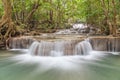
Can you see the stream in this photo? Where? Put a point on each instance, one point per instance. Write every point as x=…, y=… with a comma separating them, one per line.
x=98, y=65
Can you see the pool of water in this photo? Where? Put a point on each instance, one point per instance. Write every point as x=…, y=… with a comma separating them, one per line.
x=19, y=65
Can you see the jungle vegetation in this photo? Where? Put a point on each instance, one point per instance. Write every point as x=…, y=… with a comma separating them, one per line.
x=21, y=16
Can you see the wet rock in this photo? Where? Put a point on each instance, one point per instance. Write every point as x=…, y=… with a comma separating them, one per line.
x=106, y=44
x=60, y=48
x=67, y=31
x=19, y=42
x=2, y=45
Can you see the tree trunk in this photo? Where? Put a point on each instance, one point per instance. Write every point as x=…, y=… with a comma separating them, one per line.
x=35, y=7
x=114, y=18
x=107, y=19
x=6, y=24
x=15, y=13
x=110, y=22
x=51, y=13
x=30, y=14
x=58, y=15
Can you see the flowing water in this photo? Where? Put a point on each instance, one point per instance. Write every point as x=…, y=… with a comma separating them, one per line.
x=60, y=48
x=48, y=61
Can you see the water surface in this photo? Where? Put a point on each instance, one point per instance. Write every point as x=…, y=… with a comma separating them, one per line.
x=17, y=65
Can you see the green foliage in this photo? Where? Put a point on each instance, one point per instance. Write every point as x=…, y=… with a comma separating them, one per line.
x=1, y=9
x=60, y=13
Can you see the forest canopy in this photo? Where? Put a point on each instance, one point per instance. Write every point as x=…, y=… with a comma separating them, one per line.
x=50, y=15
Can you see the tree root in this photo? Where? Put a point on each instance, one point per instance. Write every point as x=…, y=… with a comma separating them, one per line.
x=9, y=29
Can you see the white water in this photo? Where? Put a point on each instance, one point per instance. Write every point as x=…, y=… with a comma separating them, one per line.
x=90, y=67
x=20, y=42
x=83, y=48
x=60, y=48
x=94, y=65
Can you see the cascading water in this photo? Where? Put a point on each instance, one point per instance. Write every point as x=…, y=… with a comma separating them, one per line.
x=96, y=65
x=60, y=48
x=83, y=48
x=19, y=42
x=105, y=44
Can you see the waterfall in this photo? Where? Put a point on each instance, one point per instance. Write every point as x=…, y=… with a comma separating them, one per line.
x=83, y=48
x=19, y=42
x=60, y=48
x=41, y=48
x=45, y=48
x=106, y=44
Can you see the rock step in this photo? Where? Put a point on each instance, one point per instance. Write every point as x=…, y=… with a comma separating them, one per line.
x=106, y=44
x=2, y=45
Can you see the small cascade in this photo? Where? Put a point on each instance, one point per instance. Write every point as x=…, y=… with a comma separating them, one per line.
x=60, y=48
x=19, y=42
x=41, y=48
x=114, y=45
x=106, y=44
x=83, y=48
